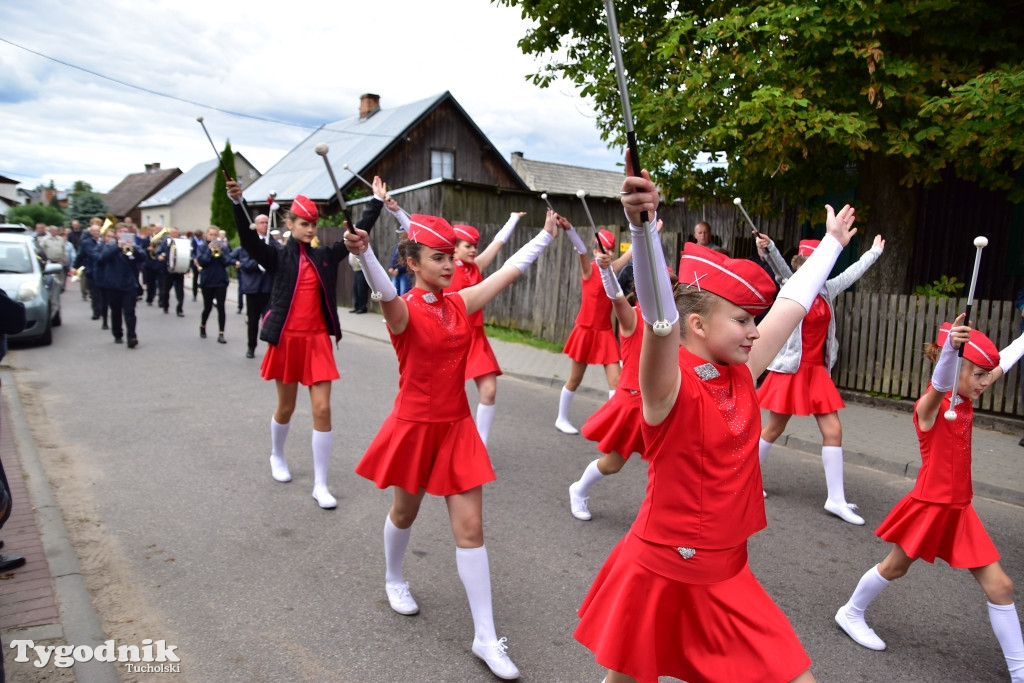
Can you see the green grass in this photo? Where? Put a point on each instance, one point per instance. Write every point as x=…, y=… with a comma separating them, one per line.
x=508, y=334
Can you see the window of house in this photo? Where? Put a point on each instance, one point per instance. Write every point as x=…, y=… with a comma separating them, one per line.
x=442, y=163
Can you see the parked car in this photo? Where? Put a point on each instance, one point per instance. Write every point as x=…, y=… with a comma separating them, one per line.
x=15, y=228
x=26, y=279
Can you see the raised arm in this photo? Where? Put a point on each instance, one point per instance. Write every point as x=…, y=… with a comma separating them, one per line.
x=943, y=375
x=798, y=294
x=624, y=313
x=856, y=270
x=479, y=294
x=394, y=308
x=486, y=257
x=263, y=253
x=581, y=248
x=766, y=247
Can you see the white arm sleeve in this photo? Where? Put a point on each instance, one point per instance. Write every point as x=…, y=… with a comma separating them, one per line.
x=375, y=275
x=807, y=282
x=506, y=230
x=944, y=374
x=611, y=284
x=522, y=259
x=581, y=248
x=402, y=217
x=1009, y=356
x=646, y=267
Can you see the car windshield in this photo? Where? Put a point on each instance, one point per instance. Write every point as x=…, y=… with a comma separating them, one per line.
x=15, y=258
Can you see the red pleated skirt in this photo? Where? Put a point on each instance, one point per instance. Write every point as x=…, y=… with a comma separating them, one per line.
x=808, y=391
x=441, y=458
x=306, y=358
x=481, y=359
x=593, y=347
x=639, y=622
x=953, y=533
x=615, y=426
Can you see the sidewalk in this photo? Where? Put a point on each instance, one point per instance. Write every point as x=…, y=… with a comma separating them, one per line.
x=46, y=600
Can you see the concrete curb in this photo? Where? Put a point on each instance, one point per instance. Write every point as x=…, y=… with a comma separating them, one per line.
x=81, y=625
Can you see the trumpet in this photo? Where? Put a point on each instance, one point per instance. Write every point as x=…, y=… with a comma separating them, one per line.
x=128, y=249
x=215, y=248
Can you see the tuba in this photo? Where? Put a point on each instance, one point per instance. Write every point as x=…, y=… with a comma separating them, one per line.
x=155, y=239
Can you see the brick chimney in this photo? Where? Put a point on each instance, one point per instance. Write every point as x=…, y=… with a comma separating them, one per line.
x=369, y=104
x=153, y=168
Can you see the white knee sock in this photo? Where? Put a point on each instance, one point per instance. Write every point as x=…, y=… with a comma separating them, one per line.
x=868, y=588
x=591, y=476
x=475, y=572
x=278, y=433
x=395, y=542
x=564, y=402
x=484, y=419
x=1006, y=626
x=832, y=460
x=762, y=449
x=321, y=456
x=611, y=392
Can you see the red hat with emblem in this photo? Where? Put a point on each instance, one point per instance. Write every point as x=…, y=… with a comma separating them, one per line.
x=433, y=232
x=606, y=238
x=303, y=207
x=467, y=233
x=739, y=281
x=807, y=247
x=979, y=349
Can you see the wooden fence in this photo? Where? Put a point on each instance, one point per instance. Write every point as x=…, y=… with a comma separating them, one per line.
x=881, y=337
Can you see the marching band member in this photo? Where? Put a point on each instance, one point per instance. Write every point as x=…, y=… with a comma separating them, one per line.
x=937, y=518
x=428, y=444
x=799, y=380
x=120, y=261
x=254, y=283
x=592, y=340
x=213, y=259
x=151, y=269
x=169, y=279
x=676, y=597
x=88, y=250
x=481, y=366
x=302, y=317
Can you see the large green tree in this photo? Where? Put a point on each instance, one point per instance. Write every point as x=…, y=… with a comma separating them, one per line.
x=30, y=214
x=84, y=204
x=800, y=97
x=221, y=211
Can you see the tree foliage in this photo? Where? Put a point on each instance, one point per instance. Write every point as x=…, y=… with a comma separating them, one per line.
x=84, y=204
x=30, y=214
x=800, y=97
x=221, y=211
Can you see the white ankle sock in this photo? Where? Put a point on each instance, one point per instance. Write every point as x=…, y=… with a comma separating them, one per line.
x=868, y=588
x=321, y=456
x=475, y=572
x=1006, y=626
x=278, y=433
x=762, y=450
x=590, y=476
x=395, y=542
x=832, y=460
x=484, y=419
x=564, y=402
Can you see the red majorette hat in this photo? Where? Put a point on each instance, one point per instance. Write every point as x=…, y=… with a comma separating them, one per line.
x=433, y=232
x=303, y=207
x=807, y=247
x=606, y=238
x=979, y=349
x=466, y=233
x=739, y=281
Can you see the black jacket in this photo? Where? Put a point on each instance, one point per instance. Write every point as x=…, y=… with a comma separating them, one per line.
x=214, y=271
x=282, y=262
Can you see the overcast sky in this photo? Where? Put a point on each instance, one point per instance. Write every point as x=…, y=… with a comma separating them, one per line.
x=299, y=62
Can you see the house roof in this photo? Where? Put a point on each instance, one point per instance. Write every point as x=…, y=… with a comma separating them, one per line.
x=8, y=181
x=135, y=188
x=544, y=176
x=174, y=190
x=355, y=142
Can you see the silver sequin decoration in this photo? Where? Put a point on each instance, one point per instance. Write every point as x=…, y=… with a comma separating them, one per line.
x=707, y=371
x=429, y=297
x=687, y=553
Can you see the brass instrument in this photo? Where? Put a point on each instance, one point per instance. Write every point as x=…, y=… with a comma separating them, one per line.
x=215, y=249
x=155, y=239
x=108, y=222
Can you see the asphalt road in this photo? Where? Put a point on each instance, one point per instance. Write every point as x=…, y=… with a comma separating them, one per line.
x=256, y=583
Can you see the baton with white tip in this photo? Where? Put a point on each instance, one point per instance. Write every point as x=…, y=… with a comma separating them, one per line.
x=739, y=202
x=220, y=162
x=582, y=194
x=544, y=196
x=368, y=184
x=661, y=326
x=979, y=243
x=322, y=149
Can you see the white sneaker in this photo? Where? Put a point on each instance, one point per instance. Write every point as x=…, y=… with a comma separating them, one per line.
x=578, y=503
x=400, y=597
x=565, y=427
x=495, y=658
x=324, y=498
x=858, y=629
x=844, y=512
x=279, y=469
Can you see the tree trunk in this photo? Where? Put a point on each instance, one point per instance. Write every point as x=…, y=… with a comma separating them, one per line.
x=885, y=207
